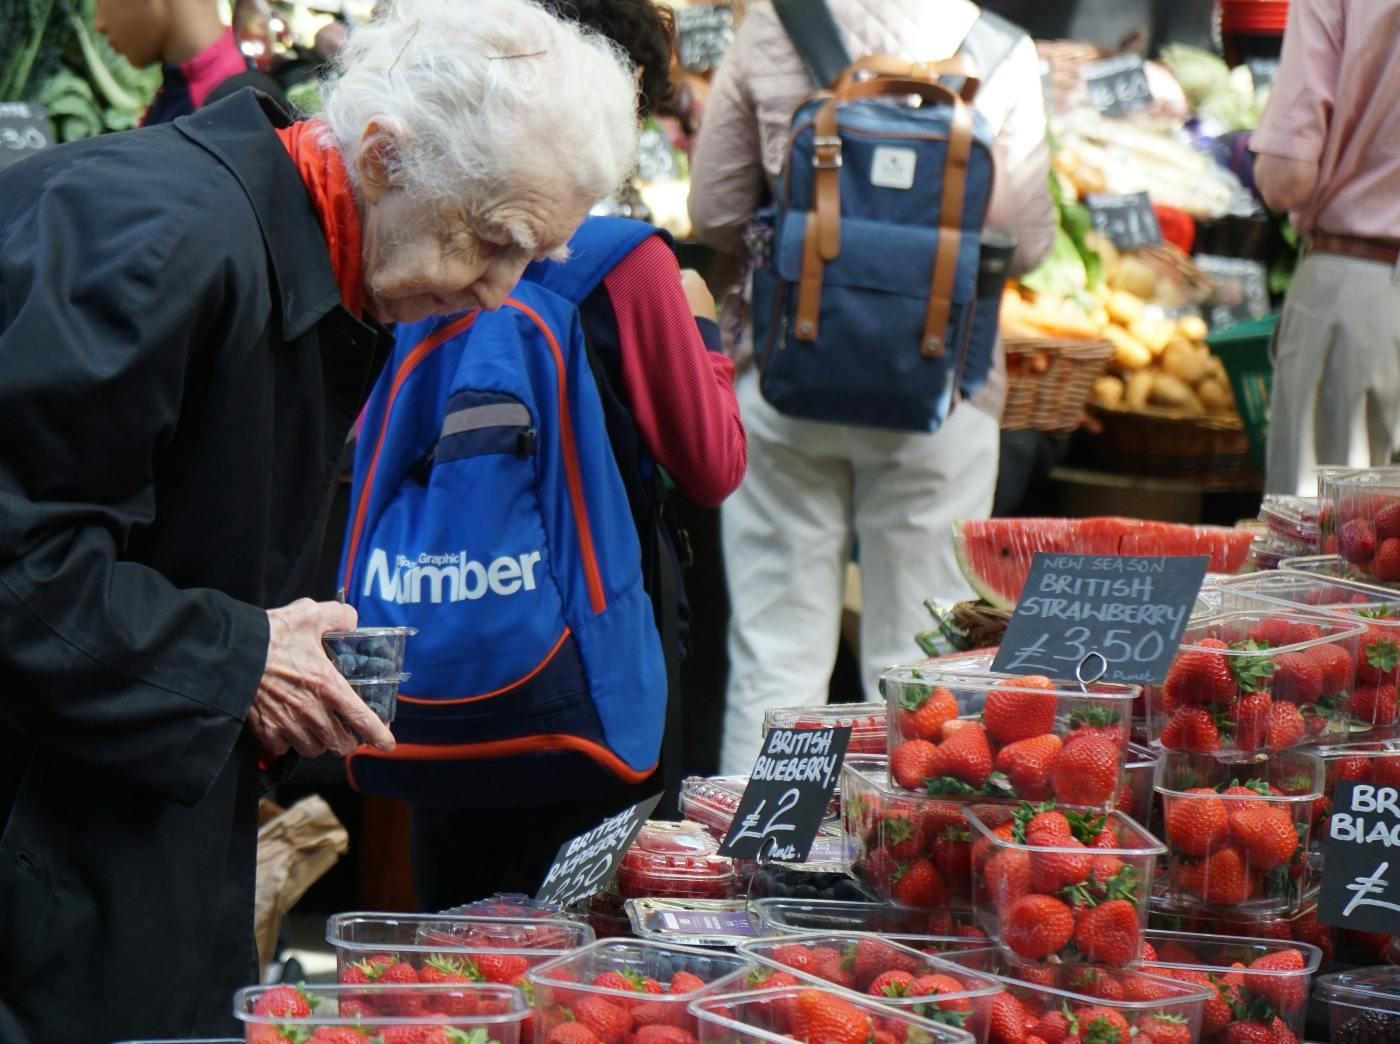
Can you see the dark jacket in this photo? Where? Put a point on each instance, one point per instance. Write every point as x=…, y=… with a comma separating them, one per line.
x=177, y=378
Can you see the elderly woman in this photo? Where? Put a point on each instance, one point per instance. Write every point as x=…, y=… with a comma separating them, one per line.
x=217, y=284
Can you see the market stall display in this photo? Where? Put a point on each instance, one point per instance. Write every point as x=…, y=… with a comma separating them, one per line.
x=481, y=1012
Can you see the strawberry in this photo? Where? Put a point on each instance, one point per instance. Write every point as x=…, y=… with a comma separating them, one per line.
x=1386, y=565
x=1007, y=1024
x=336, y=1035
x=890, y=984
x=1037, y=926
x=1020, y=708
x=1107, y=1023
x=1054, y=869
x=868, y=958
x=1086, y=772
x=1298, y=678
x=1251, y=719
x=1357, y=541
x=1335, y=665
x=1162, y=1028
x=924, y=714
x=819, y=1016
x=1221, y=877
x=1008, y=877
x=572, y=1033
x=1197, y=824
x=1047, y=827
x=1286, y=727
x=794, y=956
x=768, y=979
x=879, y=867
x=1200, y=675
x=937, y=985
x=951, y=852
x=829, y=963
x=1248, y=1033
x=1387, y=522
x=1094, y=721
x=283, y=1002
x=663, y=1035
x=1386, y=771
x=1281, y=1033
x=685, y=982
x=920, y=885
x=609, y=1021
x=1286, y=992
x=1027, y=764
x=1374, y=704
x=913, y=762
x=1109, y=933
x=614, y=980
x=1055, y=1027
x=902, y=838
x=1377, y=657
x=1191, y=728
x=1094, y=983
x=966, y=756
x=504, y=968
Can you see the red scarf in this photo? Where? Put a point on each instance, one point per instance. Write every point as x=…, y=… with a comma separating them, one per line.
x=323, y=174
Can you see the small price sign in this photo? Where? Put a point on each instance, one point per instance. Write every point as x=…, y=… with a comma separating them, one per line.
x=1361, y=859
x=24, y=130
x=1128, y=220
x=1241, y=289
x=704, y=32
x=1118, y=86
x=787, y=794
x=585, y=865
x=1129, y=611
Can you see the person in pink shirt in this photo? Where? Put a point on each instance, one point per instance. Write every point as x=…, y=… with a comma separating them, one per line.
x=199, y=54
x=1328, y=151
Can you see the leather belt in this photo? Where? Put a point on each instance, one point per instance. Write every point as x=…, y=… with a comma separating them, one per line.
x=1382, y=251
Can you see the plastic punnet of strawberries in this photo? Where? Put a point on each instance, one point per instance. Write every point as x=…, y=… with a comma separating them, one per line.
x=1062, y=886
x=811, y=1015
x=867, y=721
x=1360, y=762
x=1251, y=681
x=675, y=860
x=383, y=1014
x=1084, y=1004
x=1237, y=832
x=895, y=975
x=632, y=992
x=975, y=735
x=1367, y=517
x=1261, y=987
x=1302, y=927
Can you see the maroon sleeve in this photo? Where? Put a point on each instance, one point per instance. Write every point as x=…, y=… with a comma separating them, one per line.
x=681, y=395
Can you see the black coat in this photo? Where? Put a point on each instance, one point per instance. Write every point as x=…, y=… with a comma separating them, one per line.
x=177, y=379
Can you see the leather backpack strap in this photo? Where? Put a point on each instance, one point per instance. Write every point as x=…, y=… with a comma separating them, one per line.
x=945, y=265
x=959, y=66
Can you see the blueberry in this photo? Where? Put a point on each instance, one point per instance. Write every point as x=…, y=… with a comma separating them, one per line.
x=805, y=891
x=346, y=663
x=381, y=648
x=378, y=667
x=847, y=889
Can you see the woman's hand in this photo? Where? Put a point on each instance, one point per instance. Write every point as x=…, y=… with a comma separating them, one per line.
x=304, y=703
x=702, y=304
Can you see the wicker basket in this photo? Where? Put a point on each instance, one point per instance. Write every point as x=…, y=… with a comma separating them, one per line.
x=1048, y=382
x=1213, y=451
x=984, y=623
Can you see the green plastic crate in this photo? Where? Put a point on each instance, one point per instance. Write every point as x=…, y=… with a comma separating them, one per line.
x=1244, y=349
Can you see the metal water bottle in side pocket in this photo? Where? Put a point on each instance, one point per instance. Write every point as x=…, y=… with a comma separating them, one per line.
x=993, y=270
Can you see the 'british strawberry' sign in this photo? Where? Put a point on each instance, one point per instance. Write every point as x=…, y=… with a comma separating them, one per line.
x=1361, y=859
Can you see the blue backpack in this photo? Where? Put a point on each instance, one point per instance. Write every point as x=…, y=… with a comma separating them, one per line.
x=488, y=512
x=864, y=305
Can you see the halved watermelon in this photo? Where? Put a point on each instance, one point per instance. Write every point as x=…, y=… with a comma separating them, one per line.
x=995, y=553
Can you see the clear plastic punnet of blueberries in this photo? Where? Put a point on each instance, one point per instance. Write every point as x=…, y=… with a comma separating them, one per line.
x=371, y=659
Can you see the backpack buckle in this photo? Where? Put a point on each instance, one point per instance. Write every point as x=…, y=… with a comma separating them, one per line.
x=826, y=153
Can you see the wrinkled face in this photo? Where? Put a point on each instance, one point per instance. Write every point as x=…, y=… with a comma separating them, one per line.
x=136, y=29
x=417, y=265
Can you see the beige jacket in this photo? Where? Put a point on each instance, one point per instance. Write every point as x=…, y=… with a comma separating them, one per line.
x=762, y=81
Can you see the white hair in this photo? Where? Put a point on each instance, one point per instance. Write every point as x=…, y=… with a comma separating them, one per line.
x=486, y=98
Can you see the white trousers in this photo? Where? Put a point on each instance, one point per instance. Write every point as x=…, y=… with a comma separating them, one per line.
x=787, y=532
x=1336, y=388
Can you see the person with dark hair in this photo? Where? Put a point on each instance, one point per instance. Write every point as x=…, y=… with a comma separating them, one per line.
x=668, y=397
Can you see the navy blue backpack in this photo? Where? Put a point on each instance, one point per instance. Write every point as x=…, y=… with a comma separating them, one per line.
x=864, y=310
x=487, y=510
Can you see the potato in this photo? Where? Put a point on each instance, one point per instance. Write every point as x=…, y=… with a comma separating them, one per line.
x=1129, y=354
x=1191, y=327
x=1185, y=361
x=1103, y=246
x=1153, y=331
x=1088, y=180
x=1123, y=308
x=1215, y=395
x=1136, y=277
x=1166, y=390
x=1138, y=391
x=1108, y=391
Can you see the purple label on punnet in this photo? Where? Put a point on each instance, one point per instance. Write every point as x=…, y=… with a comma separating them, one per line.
x=697, y=922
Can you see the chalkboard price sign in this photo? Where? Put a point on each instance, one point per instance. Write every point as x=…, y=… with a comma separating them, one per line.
x=1119, y=617
x=705, y=32
x=1361, y=859
x=586, y=864
x=1241, y=289
x=1118, y=86
x=1128, y=220
x=787, y=794
x=24, y=130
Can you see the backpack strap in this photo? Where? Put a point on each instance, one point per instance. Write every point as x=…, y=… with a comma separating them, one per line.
x=595, y=249
x=813, y=33
x=990, y=42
